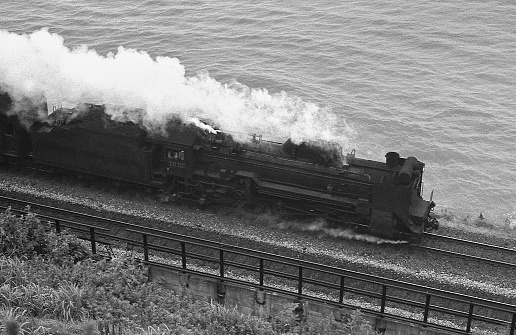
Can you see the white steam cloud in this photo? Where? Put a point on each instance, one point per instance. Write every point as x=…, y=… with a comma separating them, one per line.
x=40, y=65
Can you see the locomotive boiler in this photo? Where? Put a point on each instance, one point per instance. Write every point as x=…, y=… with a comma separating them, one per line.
x=185, y=162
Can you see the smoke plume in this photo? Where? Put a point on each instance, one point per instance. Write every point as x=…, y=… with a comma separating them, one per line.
x=39, y=66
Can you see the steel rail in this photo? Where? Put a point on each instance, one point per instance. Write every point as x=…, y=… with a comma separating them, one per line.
x=460, y=255
x=472, y=243
x=475, y=243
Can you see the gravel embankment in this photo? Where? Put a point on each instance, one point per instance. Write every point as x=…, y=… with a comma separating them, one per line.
x=311, y=242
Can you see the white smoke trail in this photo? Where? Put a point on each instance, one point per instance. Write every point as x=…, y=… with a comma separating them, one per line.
x=40, y=65
x=319, y=225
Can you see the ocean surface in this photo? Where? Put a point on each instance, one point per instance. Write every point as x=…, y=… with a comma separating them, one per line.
x=430, y=79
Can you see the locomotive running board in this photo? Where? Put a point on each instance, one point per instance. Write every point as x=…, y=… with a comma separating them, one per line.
x=297, y=193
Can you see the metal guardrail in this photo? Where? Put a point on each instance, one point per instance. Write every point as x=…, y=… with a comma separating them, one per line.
x=302, y=280
x=261, y=270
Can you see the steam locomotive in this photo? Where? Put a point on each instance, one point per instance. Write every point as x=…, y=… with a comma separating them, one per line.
x=188, y=163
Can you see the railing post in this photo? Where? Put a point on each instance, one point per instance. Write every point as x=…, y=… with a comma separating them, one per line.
x=261, y=272
x=427, y=308
x=341, y=294
x=470, y=317
x=221, y=263
x=92, y=240
x=58, y=226
x=384, y=298
x=145, y=248
x=183, y=255
x=300, y=281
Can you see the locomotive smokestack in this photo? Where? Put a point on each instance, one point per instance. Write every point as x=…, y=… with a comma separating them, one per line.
x=392, y=159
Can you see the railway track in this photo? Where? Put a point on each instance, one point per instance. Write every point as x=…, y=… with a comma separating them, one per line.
x=304, y=277
x=469, y=250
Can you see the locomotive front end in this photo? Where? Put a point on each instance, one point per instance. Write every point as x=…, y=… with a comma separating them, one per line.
x=396, y=208
x=420, y=217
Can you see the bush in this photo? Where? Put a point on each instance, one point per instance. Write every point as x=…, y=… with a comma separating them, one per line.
x=22, y=236
x=28, y=237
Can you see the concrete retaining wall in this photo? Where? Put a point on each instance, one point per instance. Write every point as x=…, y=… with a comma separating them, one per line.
x=264, y=304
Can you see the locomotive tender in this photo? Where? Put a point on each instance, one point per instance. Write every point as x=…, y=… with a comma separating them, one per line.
x=188, y=163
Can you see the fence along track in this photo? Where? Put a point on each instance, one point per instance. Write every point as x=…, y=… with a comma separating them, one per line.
x=296, y=278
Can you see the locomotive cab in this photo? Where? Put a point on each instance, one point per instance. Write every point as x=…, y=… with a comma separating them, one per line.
x=177, y=161
x=176, y=150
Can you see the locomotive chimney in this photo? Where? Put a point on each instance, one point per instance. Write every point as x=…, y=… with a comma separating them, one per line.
x=391, y=159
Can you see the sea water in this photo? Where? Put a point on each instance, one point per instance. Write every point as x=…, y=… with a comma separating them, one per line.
x=430, y=79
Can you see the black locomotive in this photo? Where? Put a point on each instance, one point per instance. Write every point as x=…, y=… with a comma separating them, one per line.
x=189, y=163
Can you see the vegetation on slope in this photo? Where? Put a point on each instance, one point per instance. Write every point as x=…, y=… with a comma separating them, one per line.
x=51, y=284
